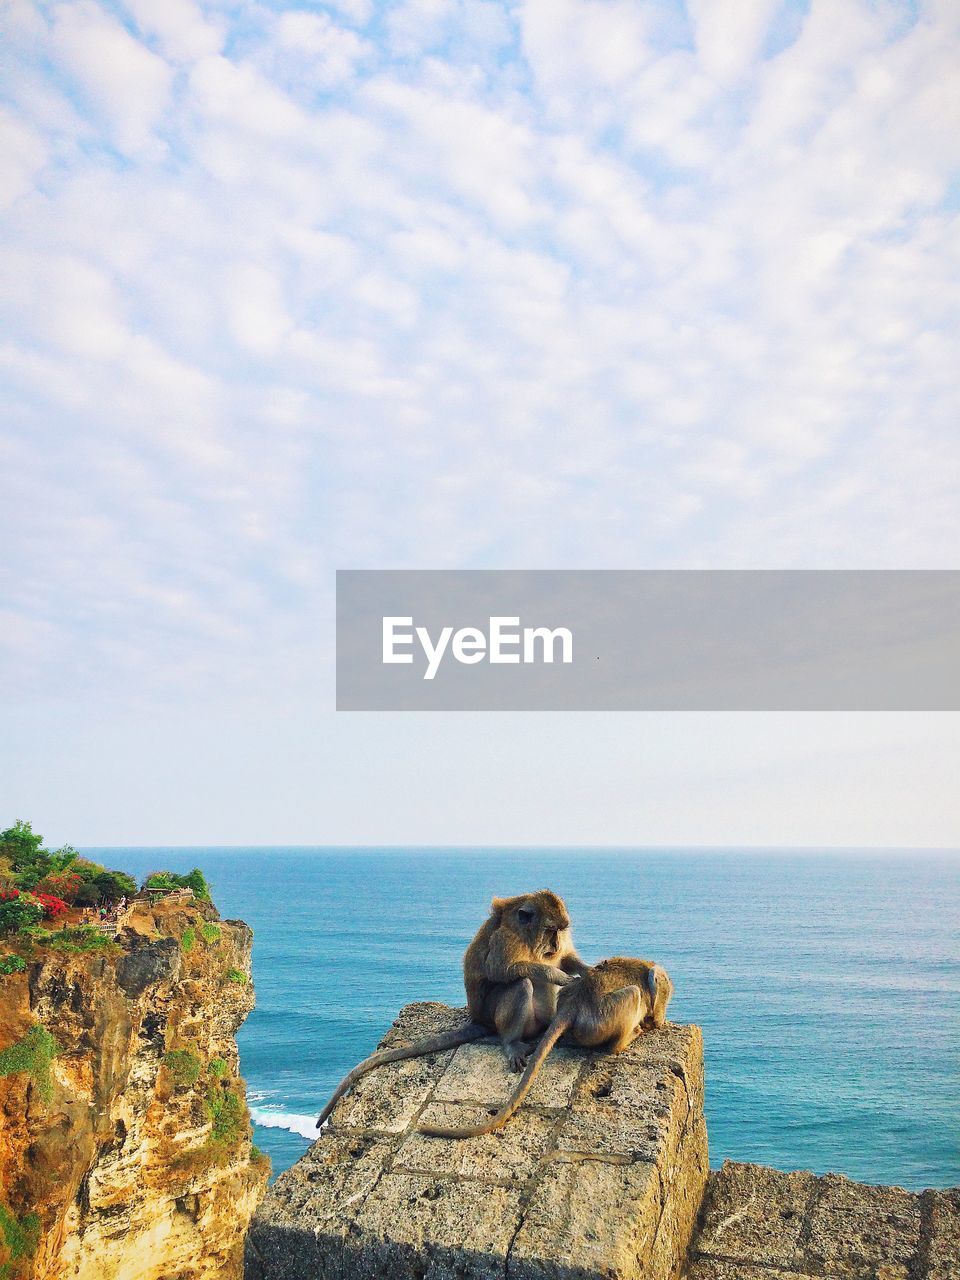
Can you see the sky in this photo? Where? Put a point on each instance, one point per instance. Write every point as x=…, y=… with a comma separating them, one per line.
x=459, y=284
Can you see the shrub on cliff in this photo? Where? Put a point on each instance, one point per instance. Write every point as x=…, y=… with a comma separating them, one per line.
x=194, y=880
x=114, y=885
x=99, y=886
x=21, y=910
x=18, y=910
x=30, y=863
x=19, y=1238
x=53, y=907
x=61, y=884
x=11, y=964
x=33, y=1053
x=184, y=1067
x=227, y=1113
x=63, y=873
x=84, y=937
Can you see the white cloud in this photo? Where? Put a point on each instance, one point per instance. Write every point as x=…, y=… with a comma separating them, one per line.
x=419, y=24
x=179, y=26
x=254, y=309
x=582, y=51
x=312, y=51
x=729, y=36
x=358, y=12
x=125, y=84
x=23, y=153
x=576, y=302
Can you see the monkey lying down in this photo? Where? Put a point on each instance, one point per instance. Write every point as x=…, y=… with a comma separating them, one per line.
x=521, y=955
x=609, y=1006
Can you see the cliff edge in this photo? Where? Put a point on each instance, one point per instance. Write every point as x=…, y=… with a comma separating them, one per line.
x=125, y=1141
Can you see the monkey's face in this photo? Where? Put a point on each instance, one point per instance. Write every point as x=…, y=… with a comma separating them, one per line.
x=541, y=920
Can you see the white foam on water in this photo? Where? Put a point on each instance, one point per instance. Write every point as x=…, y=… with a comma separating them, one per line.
x=271, y=1118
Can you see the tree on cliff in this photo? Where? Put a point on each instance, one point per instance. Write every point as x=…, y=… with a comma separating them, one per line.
x=26, y=864
x=194, y=880
x=26, y=861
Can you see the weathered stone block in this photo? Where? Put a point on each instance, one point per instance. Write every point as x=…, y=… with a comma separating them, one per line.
x=755, y=1214
x=588, y=1218
x=501, y=1156
x=599, y=1174
x=941, y=1246
x=758, y=1224
x=862, y=1231
x=479, y=1073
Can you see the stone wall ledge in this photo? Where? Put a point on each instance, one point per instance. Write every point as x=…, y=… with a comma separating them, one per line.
x=599, y=1176
x=761, y=1224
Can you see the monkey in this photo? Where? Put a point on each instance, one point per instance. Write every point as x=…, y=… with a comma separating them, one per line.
x=612, y=1004
x=520, y=956
x=512, y=969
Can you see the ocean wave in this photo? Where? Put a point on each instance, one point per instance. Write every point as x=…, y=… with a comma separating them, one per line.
x=271, y=1118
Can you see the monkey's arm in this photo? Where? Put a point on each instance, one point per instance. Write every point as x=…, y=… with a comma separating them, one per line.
x=502, y=965
x=574, y=965
x=433, y=1044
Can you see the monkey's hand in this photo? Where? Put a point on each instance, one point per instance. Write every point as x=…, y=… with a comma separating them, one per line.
x=517, y=1055
x=557, y=976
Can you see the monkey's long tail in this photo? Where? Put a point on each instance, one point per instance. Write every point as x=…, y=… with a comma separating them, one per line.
x=550, y=1037
x=433, y=1044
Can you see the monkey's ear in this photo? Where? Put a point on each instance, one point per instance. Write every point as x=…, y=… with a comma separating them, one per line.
x=498, y=905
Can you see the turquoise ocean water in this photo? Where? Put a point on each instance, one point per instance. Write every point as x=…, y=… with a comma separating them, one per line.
x=826, y=984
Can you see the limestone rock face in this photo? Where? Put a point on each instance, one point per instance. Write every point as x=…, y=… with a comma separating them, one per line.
x=599, y=1174
x=759, y=1224
x=128, y=1155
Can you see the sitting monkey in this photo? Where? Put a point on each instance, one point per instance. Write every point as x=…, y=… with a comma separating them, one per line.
x=611, y=1005
x=511, y=970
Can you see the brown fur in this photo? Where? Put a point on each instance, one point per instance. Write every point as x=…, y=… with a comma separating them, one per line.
x=611, y=1005
x=511, y=971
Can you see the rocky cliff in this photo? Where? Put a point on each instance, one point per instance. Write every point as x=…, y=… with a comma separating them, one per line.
x=125, y=1149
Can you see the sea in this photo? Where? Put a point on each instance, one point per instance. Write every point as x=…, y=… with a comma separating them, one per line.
x=827, y=983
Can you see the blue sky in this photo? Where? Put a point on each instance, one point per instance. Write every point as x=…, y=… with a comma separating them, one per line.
x=456, y=283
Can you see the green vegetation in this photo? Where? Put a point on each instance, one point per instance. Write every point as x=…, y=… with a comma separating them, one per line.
x=33, y=1054
x=187, y=939
x=27, y=861
x=12, y=964
x=184, y=1067
x=81, y=937
x=237, y=976
x=84, y=937
x=20, y=1236
x=227, y=1113
x=113, y=885
x=18, y=913
x=194, y=880
x=26, y=865
x=66, y=879
x=217, y=1067
x=257, y=1156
